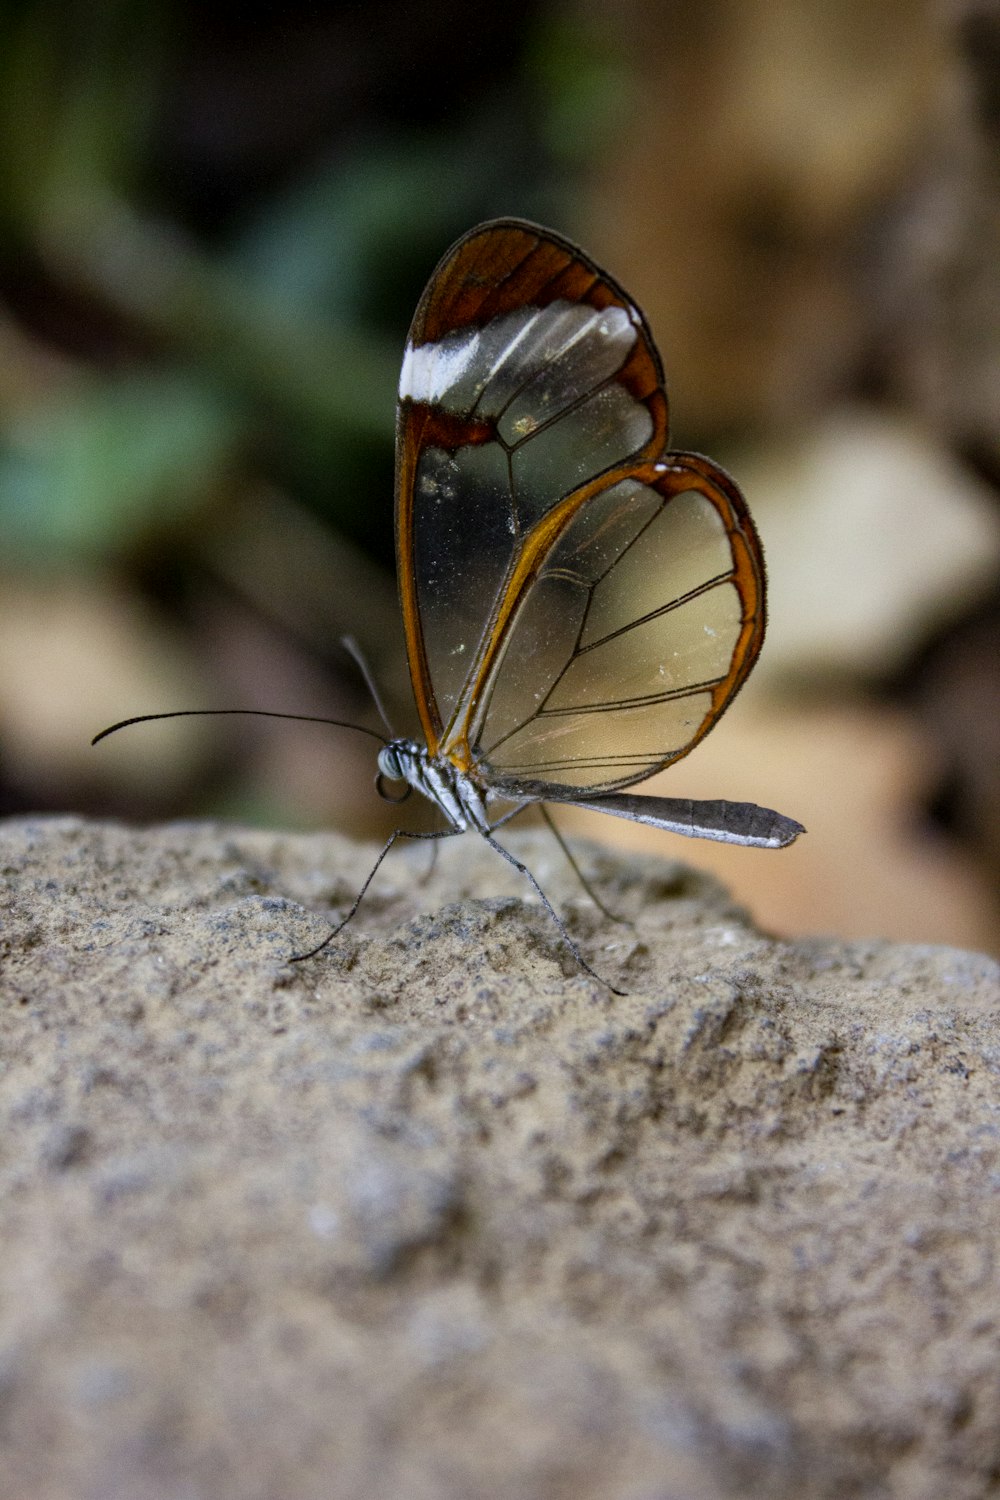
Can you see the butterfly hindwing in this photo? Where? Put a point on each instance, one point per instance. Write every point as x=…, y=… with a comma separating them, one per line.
x=639, y=626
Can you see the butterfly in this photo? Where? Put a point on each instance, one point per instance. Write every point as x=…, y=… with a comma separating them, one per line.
x=580, y=603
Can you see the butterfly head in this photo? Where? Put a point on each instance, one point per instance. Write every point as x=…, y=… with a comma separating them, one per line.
x=398, y=761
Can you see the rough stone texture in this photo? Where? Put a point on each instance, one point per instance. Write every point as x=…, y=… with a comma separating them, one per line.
x=436, y=1216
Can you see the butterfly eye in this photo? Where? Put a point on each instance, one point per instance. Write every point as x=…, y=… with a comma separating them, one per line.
x=389, y=763
x=390, y=768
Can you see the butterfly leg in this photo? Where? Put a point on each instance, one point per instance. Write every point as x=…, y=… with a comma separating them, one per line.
x=400, y=833
x=507, y=818
x=432, y=865
x=557, y=919
x=612, y=915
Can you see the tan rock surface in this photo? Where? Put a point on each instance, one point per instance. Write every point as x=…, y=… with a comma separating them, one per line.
x=436, y=1216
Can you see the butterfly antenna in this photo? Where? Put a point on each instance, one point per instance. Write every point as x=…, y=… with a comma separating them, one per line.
x=353, y=650
x=259, y=713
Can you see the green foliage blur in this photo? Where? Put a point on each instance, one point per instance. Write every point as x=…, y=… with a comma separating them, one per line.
x=213, y=231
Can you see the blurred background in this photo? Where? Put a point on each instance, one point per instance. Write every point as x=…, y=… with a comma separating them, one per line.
x=215, y=222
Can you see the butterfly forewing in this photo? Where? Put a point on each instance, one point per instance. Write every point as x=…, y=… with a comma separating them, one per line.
x=528, y=376
x=580, y=605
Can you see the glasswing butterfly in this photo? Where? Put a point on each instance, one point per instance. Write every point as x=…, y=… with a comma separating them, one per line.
x=580, y=603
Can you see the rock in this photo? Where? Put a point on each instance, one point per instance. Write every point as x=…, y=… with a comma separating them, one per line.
x=436, y=1215
x=874, y=534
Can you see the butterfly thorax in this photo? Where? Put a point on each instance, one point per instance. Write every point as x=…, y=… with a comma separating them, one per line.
x=453, y=791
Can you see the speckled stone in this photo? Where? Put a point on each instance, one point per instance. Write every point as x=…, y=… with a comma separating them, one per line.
x=437, y=1216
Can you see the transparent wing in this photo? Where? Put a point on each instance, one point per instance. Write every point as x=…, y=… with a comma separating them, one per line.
x=628, y=639
x=529, y=383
